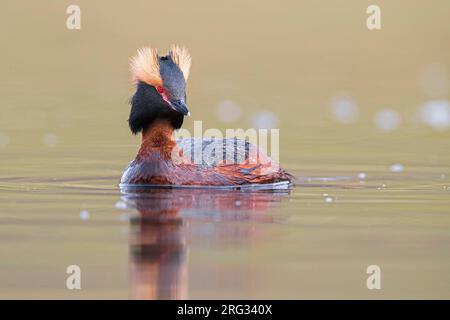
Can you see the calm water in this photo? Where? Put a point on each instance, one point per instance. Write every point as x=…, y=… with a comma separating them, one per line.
x=64, y=142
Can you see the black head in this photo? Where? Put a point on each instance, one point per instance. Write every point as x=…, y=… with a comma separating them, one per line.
x=161, y=88
x=173, y=79
x=147, y=106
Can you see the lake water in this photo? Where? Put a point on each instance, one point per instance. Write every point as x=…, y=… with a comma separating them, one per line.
x=364, y=126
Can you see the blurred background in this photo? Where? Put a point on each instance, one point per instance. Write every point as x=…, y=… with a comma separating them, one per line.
x=364, y=119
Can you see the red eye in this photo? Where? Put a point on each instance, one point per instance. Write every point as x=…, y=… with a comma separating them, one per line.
x=163, y=93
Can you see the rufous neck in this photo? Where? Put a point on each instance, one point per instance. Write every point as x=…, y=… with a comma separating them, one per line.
x=159, y=134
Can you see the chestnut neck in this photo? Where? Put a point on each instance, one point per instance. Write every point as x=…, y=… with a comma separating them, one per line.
x=157, y=138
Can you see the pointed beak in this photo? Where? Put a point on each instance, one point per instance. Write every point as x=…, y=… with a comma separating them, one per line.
x=180, y=107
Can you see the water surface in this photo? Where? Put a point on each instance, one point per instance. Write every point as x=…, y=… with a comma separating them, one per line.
x=312, y=70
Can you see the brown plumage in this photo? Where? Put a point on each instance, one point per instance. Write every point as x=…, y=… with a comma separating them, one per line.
x=158, y=108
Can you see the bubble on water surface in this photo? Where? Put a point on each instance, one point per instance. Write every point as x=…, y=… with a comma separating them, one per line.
x=228, y=111
x=343, y=108
x=264, y=120
x=362, y=175
x=397, y=167
x=387, y=120
x=329, y=199
x=84, y=215
x=121, y=205
x=382, y=187
x=50, y=139
x=436, y=113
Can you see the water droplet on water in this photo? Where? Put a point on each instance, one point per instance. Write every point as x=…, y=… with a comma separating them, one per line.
x=51, y=139
x=436, y=114
x=362, y=175
x=397, y=167
x=121, y=205
x=329, y=199
x=343, y=108
x=387, y=120
x=84, y=215
x=264, y=120
x=228, y=111
x=382, y=187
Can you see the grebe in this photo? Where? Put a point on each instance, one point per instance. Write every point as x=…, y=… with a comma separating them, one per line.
x=158, y=108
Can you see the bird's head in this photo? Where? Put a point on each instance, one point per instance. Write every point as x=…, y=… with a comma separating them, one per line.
x=160, y=87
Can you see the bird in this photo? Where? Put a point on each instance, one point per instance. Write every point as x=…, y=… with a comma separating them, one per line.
x=158, y=108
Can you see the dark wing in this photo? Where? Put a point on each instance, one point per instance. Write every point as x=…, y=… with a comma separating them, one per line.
x=237, y=161
x=210, y=152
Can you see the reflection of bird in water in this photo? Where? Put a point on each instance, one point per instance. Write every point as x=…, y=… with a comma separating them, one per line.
x=158, y=109
x=158, y=233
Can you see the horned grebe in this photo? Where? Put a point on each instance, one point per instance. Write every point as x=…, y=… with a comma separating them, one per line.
x=158, y=108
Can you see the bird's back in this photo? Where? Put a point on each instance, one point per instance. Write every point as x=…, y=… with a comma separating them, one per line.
x=210, y=152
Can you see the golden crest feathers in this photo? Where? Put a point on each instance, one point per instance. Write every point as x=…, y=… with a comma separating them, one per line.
x=144, y=66
x=182, y=58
